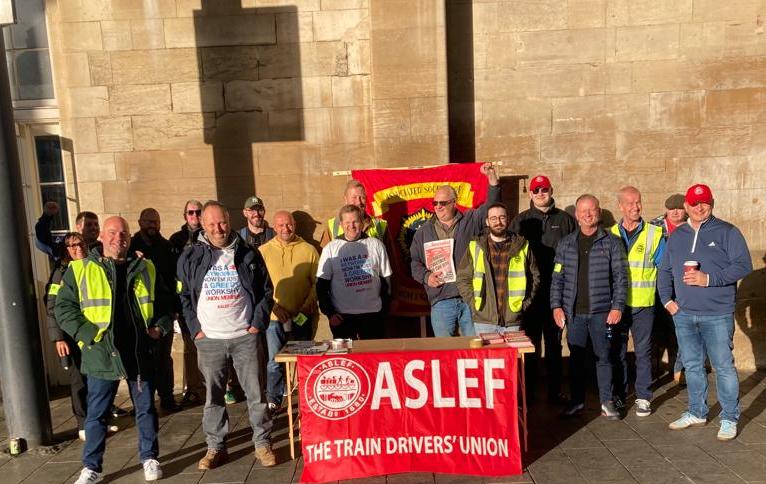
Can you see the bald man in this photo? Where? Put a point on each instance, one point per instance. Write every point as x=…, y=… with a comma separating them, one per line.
x=292, y=264
x=117, y=307
x=150, y=242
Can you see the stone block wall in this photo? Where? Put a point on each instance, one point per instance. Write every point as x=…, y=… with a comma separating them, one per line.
x=165, y=100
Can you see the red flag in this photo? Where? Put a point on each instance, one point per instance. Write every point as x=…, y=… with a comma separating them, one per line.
x=448, y=411
x=403, y=198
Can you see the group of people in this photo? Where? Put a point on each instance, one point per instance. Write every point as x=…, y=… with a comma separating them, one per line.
x=238, y=297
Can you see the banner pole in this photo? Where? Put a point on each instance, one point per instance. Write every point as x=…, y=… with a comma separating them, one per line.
x=348, y=172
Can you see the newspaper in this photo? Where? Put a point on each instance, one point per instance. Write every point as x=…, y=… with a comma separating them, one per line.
x=439, y=259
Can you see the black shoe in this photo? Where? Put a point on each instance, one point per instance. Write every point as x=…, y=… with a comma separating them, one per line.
x=609, y=410
x=573, y=409
x=619, y=403
x=557, y=398
x=171, y=406
x=118, y=412
x=191, y=399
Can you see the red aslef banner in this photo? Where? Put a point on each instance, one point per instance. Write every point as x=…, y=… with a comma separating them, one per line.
x=403, y=198
x=447, y=411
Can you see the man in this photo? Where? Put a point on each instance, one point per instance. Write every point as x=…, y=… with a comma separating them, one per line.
x=448, y=310
x=292, y=264
x=226, y=296
x=663, y=321
x=353, y=280
x=194, y=389
x=355, y=194
x=588, y=292
x=116, y=306
x=644, y=245
x=149, y=242
x=543, y=225
x=257, y=231
x=702, y=263
x=86, y=223
x=498, y=275
x=191, y=228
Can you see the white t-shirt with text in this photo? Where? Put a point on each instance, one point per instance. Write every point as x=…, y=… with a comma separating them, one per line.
x=354, y=270
x=224, y=309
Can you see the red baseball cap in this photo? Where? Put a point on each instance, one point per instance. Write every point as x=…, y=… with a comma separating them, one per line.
x=699, y=193
x=539, y=181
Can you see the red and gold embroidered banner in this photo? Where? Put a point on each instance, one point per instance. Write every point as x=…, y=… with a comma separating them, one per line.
x=403, y=198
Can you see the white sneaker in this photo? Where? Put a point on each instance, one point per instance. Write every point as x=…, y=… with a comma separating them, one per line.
x=152, y=470
x=643, y=408
x=112, y=429
x=81, y=435
x=88, y=476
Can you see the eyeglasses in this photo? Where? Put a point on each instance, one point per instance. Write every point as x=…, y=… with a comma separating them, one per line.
x=541, y=189
x=193, y=212
x=442, y=203
x=498, y=218
x=256, y=208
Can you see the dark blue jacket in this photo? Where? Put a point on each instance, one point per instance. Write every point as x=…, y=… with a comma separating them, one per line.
x=196, y=261
x=607, y=274
x=723, y=255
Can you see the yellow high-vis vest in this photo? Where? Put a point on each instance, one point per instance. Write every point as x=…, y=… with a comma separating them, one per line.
x=96, y=294
x=642, y=272
x=377, y=229
x=517, y=276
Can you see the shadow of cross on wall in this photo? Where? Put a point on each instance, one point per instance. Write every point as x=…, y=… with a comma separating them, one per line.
x=252, y=57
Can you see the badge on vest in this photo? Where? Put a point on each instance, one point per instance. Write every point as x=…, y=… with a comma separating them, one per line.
x=640, y=248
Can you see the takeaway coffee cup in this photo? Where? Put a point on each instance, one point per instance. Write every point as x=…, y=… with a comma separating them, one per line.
x=691, y=265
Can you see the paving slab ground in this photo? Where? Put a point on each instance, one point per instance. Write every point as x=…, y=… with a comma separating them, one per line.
x=585, y=449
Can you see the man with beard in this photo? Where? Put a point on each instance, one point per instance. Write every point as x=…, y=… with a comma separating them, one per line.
x=355, y=194
x=257, y=231
x=86, y=224
x=150, y=243
x=191, y=228
x=543, y=225
x=498, y=276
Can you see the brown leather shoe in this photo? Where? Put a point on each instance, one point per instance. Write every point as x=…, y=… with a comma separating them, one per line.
x=266, y=456
x=213, y=458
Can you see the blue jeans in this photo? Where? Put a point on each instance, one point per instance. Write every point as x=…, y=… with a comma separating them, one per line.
x=100, y=397
x=582, y=327
x=276, y=337
x=488, y=328
x=247, y=356
x=696, y=334
x=640, y=322
x=449, y=314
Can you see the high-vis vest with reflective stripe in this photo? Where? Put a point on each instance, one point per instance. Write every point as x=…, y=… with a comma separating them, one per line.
x=517, y=276
x=96, y=294
x=642, y=273
x=377, y=229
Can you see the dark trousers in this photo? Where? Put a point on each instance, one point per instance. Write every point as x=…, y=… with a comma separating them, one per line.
x=360, y=326
x=100, y=397
x=582, y=328
x=538, y=324
x=164, y=368
x=78, y=386
x=639, y=321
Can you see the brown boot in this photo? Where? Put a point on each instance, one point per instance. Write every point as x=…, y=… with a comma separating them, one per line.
x=266, y=456
x=213, y=458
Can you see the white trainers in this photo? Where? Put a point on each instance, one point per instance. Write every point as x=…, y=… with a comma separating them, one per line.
x=152, y=470
x=643, y=408
x=81, y=435
x=687, y=420
x=88, y=476
x=110, y=429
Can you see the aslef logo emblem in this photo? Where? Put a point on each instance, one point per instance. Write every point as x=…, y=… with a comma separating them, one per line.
x=337, y=388
x=698, y=191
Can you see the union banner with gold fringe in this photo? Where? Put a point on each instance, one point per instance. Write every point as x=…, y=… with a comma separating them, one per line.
x=403, y=197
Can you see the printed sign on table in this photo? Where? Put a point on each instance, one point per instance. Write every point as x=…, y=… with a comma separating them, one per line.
x=450, y=411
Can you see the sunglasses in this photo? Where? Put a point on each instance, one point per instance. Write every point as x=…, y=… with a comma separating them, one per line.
x=442, y=203
x=80, y=244
x=193, y=212
x=541, y=189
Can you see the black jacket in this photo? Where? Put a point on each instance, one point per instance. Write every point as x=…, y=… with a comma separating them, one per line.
x=543, y=230
x=184, y=238
x=164, y=256
x=195, y=263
